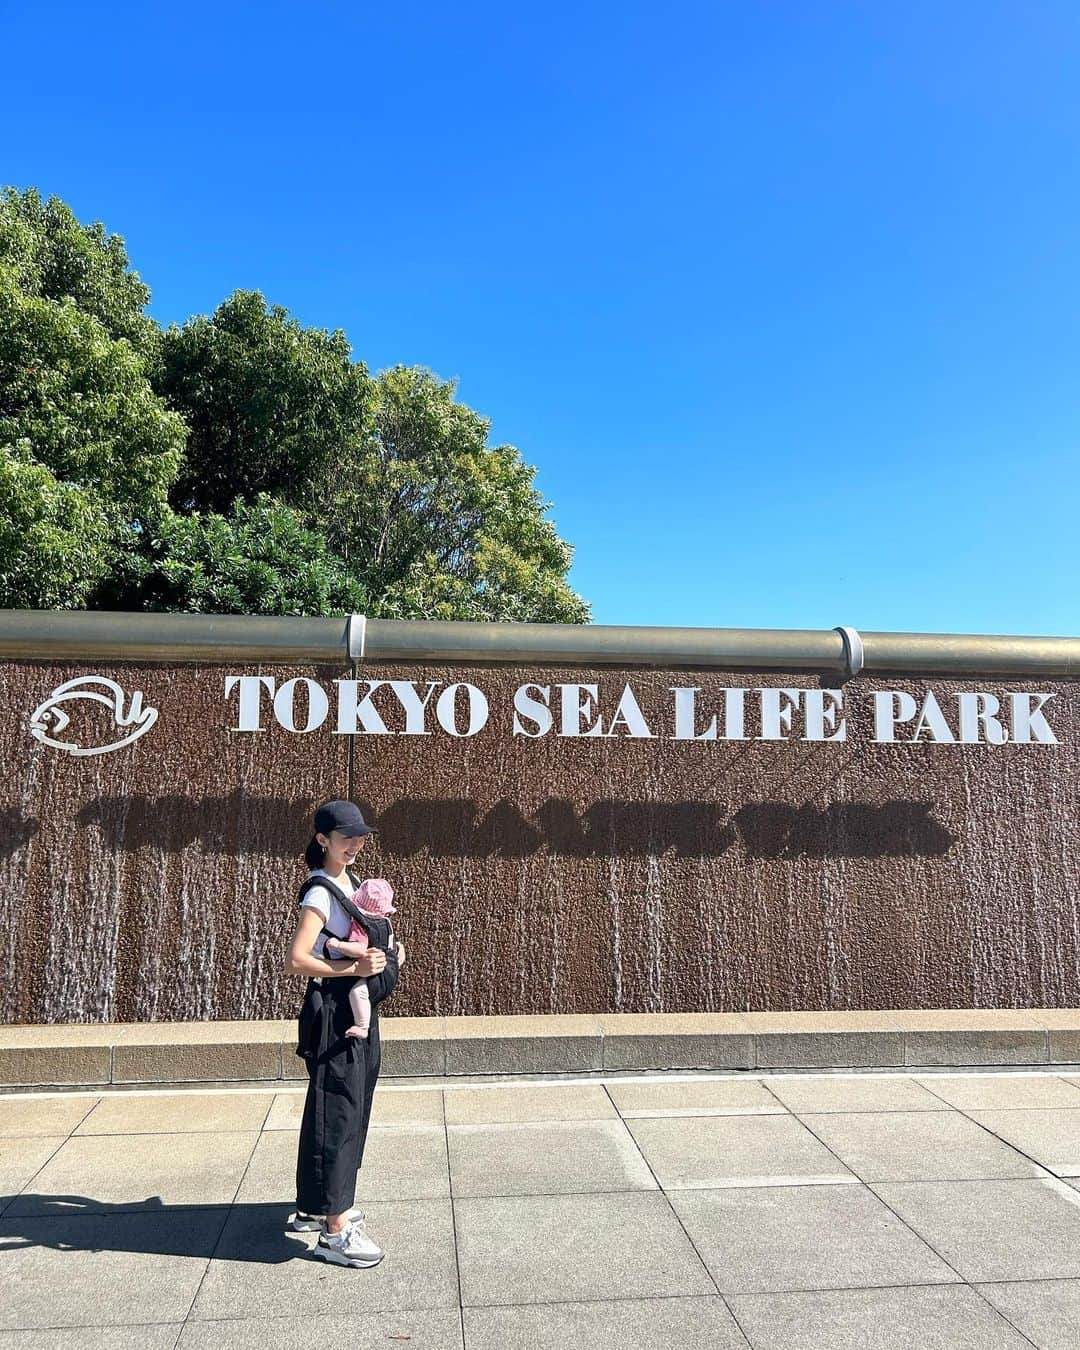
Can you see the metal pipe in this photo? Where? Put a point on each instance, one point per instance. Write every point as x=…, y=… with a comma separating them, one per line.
x=68, y=635
x=933, y=653
x=96, y=635
x=601, y=644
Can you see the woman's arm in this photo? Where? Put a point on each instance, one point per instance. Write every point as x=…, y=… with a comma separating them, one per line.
x=301, y=962
x=346, y=949
x=354, y=949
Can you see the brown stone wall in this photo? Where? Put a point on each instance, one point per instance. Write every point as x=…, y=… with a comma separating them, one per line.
x=584, y=874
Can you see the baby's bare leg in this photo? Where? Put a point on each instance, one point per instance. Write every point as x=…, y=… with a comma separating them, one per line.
x=360, y=1003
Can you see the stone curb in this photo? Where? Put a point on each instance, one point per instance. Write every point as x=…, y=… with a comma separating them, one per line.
x=194, y=1052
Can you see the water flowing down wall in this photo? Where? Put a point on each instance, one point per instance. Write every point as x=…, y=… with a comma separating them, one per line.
x=538, y=873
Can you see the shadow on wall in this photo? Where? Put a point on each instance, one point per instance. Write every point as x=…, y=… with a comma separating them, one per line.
x=453, y=828
x=458, y=828
x=16, y=831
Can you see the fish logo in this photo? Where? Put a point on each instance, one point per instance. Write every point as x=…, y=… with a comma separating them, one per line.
x=49, y=720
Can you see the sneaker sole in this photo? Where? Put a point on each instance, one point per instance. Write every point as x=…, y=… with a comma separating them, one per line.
x=340, y=1259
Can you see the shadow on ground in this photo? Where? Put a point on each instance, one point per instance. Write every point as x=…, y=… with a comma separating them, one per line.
x=230, y=1232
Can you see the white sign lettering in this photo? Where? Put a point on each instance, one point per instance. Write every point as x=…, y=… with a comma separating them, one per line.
x=579, y=711
x=573, y=711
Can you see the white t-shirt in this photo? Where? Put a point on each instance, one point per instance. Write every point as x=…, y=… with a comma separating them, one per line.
x=326, y=903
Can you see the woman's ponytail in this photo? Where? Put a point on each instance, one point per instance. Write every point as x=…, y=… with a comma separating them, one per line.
x=314, y=854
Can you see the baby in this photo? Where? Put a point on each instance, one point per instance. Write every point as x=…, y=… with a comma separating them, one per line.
x=376, y=896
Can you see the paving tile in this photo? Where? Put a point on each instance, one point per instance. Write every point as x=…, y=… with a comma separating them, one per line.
x=868, y=1092
x=1050, y=1135
x=1046, y=1311
x=139, y=1171
x=177, y=1113
x=709, y=1151
x=422, y=1107
x=417, y=1329
x=94, y=1270
x=946, y=1318
x=779, y=1238
x=160, y=1336
x=988, y=1092
x=286, y=1112
x=404, y=1162
x=994, y=1230
x=643, y=1324
x=548, y=1158
x=918, y=1146
x=518, y=1249
x=709, y=1097
x=24, y=1117
x=258, y=1272
x=503, y=1106
x=20, y=1159
x=400, y=1163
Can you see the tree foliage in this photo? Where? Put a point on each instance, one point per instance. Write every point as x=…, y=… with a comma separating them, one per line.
x=239, y=463
x=55, y=258
x=444, y=525
x=269, y=404
x=87, y=449
x=260, y=558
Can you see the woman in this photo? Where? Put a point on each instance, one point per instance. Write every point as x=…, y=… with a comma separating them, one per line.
x=342, y=1070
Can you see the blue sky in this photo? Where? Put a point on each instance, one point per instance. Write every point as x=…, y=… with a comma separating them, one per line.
x=782, y=299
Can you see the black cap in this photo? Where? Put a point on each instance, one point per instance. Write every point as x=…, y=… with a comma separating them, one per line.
x=344, y=817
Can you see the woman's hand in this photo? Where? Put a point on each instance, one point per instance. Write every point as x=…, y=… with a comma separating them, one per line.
x=400, y=953
x=371, y=963
x=300, y=960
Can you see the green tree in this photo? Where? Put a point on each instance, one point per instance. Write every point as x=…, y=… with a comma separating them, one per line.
x=54, y=257
x=441, y=525
x=87, y=449
x=395, y=473
x=270, y=405
x=259, y=559
x=53, y=536
x=241, y=462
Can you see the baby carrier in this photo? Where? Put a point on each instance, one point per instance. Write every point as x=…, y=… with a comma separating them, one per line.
x=328, y=1000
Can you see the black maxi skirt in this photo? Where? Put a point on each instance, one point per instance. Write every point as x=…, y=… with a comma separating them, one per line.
x=342, y=1073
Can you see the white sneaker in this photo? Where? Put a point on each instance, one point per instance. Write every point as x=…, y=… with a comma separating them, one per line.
x=350, y=1247
x=316, y=1223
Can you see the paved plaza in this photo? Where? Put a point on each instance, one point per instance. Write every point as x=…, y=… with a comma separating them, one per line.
x=782, y=1212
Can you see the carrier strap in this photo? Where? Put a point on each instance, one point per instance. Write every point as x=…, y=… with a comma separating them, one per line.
x=345, y=901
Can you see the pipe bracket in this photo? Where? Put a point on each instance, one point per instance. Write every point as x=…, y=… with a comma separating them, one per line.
x=357, y=635
x=854, y=657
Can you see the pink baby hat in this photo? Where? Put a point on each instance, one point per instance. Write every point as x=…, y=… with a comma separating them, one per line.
x=376, y=896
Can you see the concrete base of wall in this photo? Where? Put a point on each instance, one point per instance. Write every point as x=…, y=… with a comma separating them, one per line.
x=220, y=1052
